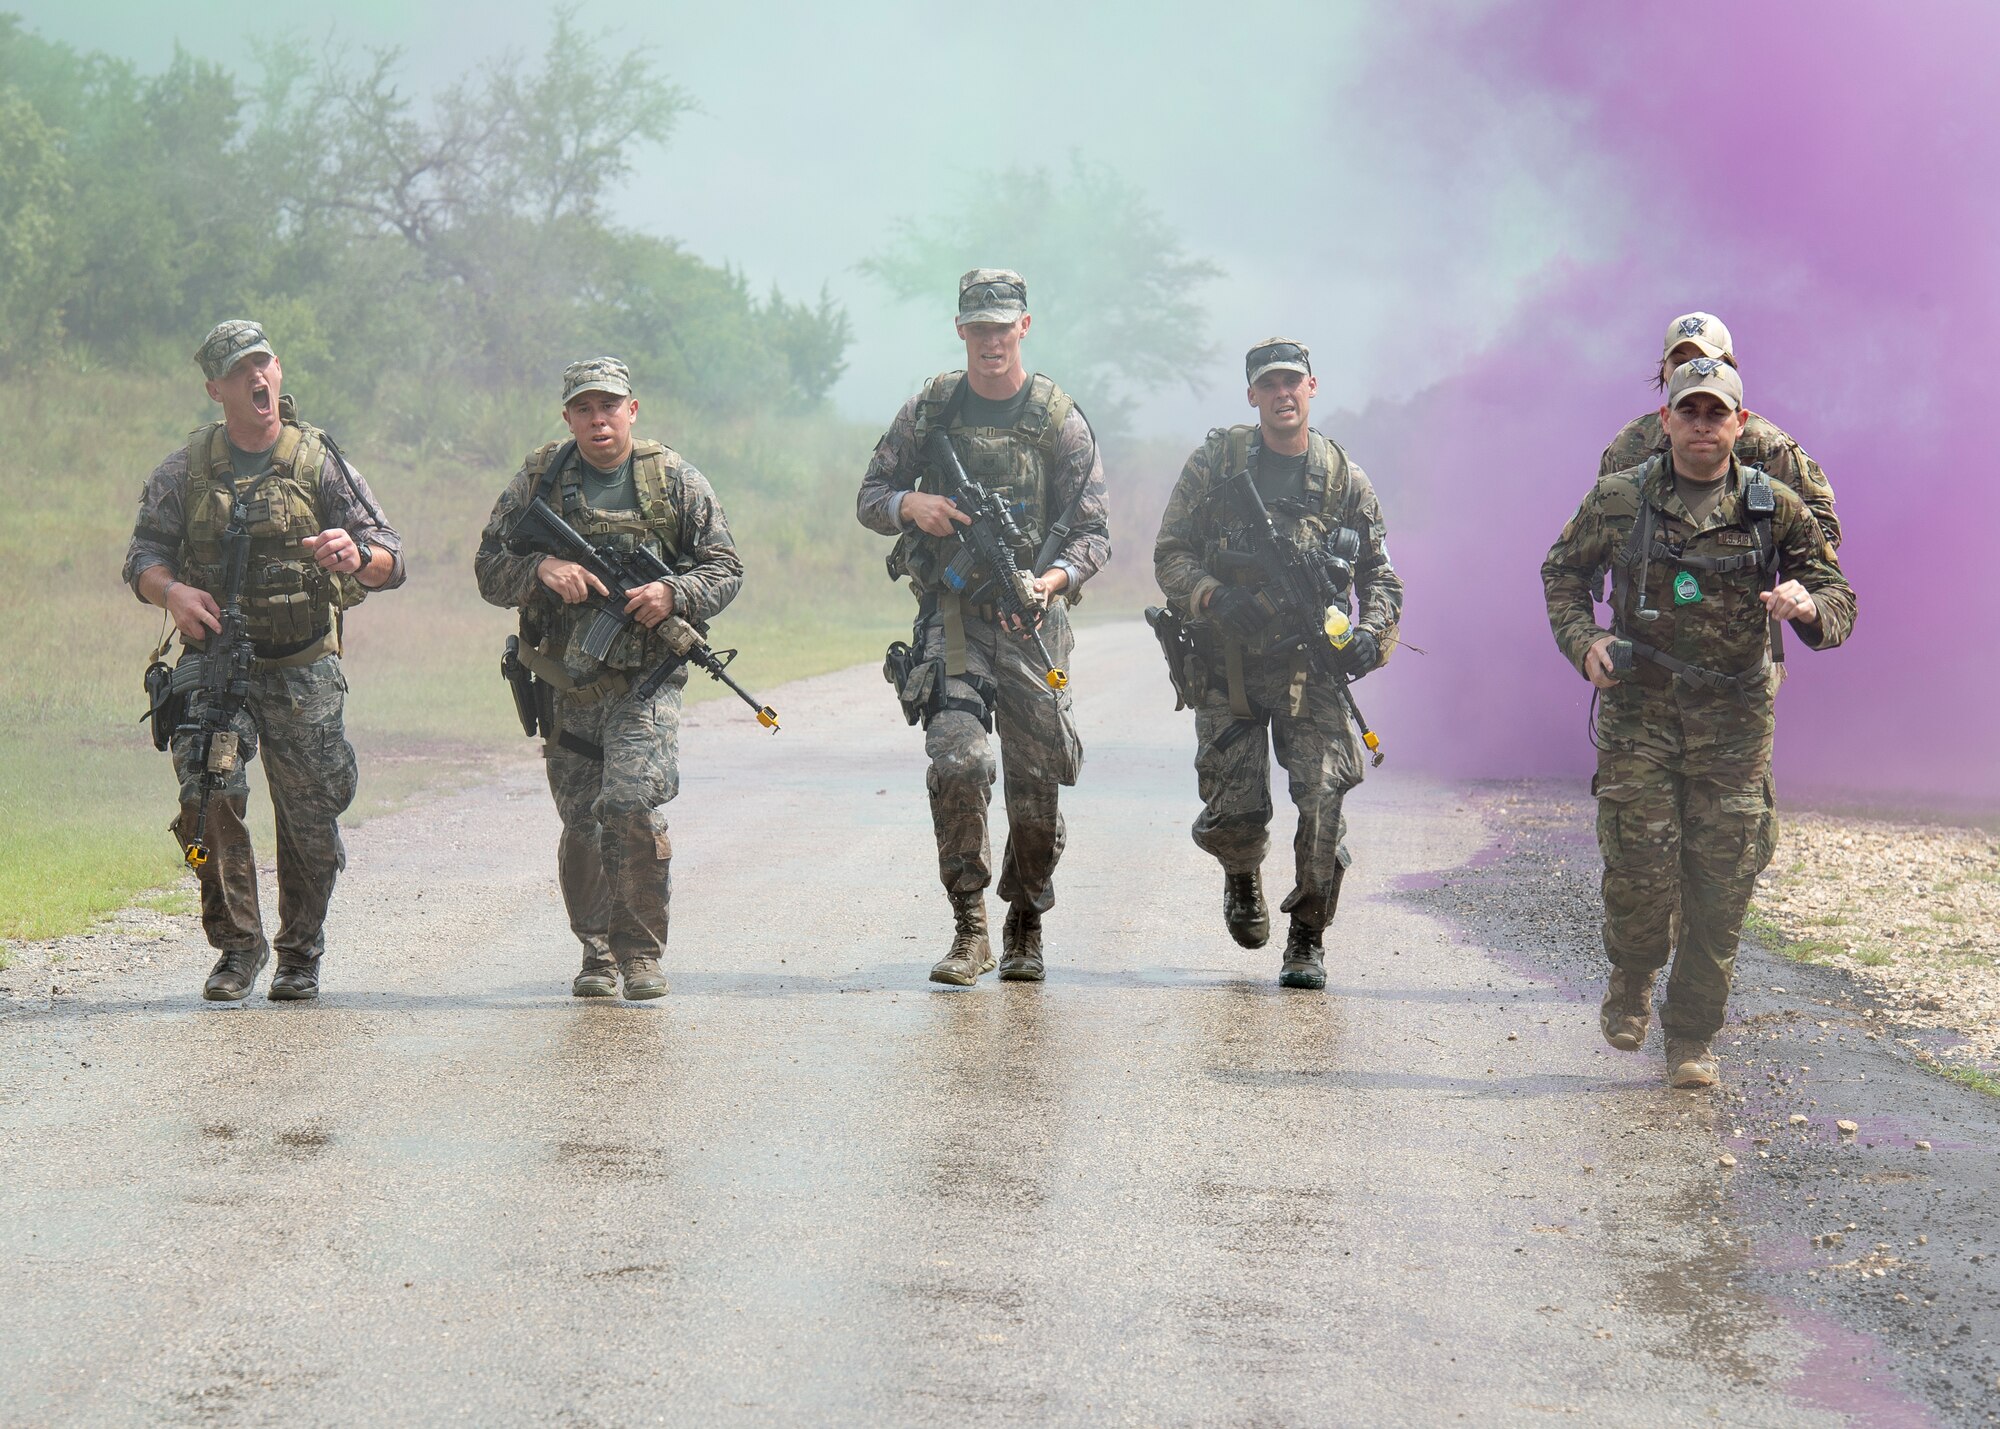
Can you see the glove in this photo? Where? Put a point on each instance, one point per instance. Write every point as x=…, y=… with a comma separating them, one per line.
x=1363, y=653
x=1240, y=612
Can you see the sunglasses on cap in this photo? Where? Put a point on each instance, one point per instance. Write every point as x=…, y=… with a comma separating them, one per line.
x=992, y=293
x=1277, y=352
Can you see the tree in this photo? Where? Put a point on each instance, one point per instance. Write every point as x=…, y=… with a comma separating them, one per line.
x=1110, y=286
x=33, y=192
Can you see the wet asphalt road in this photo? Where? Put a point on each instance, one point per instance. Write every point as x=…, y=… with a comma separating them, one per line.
x=809, y=1186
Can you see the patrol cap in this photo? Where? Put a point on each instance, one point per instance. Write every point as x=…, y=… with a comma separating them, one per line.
x=1276, y=354
x=1704, y=330
x=1706, y=374
x=596, y=374
x=227, y=344
x=992, y=295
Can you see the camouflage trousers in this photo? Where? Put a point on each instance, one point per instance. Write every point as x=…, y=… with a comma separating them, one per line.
x=1321, y=757
x=293, y=716
x=1038, y=753
x=613, y=859
x=1685, y=826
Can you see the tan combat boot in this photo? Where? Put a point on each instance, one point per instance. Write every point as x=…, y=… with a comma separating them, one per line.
x=1021, y=939
x=1690, y=1063
x=971, y=950
x=1627, y=1008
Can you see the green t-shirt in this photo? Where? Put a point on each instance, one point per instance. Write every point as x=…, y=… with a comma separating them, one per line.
x=246, y=464
x=980, y=412
x=1280, y=478
x=608, y=490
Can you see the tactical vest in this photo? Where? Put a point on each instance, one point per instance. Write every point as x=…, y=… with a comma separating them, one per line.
x=1623, y=495
x=1329, y=486
x=288, y=601
x=662, y=493
x=1012, y=462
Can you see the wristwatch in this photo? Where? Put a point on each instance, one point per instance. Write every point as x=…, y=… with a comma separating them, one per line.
x=367, y=554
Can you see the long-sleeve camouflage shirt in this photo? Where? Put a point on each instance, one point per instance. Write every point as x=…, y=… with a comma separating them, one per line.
x=345, y=503
x=1197, y=517
x=713, y=576
x=896, y=466
x=1715, y=622
x=1763, y=444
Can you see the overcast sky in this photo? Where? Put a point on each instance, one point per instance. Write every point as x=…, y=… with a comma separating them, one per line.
x=1386, y=212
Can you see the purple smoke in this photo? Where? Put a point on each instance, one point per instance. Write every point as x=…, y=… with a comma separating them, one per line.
x=1822, y=176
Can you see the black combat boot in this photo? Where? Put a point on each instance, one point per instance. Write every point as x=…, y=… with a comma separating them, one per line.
x=1021, y=941
x=643, y=978
x=1243, y=908
x=235, y=972
x=598, y=976
x=1305, y=963
x=971, y=951
x=296, y=980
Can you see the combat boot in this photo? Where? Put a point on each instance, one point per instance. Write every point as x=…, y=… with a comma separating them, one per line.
x=296, y=980
x=643, y=978
x=1021, y=940
x=1690, y=1063
x=1627, y=1008
x=235, y=973
x=971, y=950
x=1305, y=962
x=599, y=977
x=1243, y=908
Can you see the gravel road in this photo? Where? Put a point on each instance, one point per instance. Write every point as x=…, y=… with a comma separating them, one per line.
x=810, y=1187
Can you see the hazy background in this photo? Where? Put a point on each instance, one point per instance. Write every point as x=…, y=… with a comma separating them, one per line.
x=1479, y=215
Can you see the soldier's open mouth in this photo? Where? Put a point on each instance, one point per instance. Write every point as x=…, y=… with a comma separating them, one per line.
x=260, y=398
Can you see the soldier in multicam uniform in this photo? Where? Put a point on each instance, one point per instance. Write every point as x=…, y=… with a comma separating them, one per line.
x=1313, y=492
x=1707, y=559
x=318, y=542
x=1023, y=438
x=613, y=758
x=1763, y=444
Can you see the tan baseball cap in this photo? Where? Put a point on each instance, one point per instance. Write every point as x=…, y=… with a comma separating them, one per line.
x=1704, y=330
x=1706, y=374
x=991, y=295
x=1275, y=354
x=227, y=344
x=596, y=374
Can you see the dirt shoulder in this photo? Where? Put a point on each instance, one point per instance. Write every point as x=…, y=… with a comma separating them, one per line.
x=1858, y=1176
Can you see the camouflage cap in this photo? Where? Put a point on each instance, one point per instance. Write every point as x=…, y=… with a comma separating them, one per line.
x=227, y=344
x=1706, y=374
x=992, y=295
x=1276, y=354
x=1704, y=330
x=596, y=374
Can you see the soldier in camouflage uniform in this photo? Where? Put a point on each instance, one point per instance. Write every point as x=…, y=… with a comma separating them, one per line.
x=1249, y=702
x=1023, y=438
x=1763, y=444
x=1708, y=558
x=613, y=758
x=318, y=542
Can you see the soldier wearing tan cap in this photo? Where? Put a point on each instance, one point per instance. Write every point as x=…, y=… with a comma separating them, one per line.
x=611, y=746
x=1762, y=444
x=965, y=671
x=317, y=543
x=1708, y=559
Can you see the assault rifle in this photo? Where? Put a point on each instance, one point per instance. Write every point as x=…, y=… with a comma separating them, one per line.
x=1303, y=591
x=990, y=543
x=211, y=689
x=540, y=528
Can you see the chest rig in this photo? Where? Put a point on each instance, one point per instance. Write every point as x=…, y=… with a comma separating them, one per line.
x=1319, y=522
x=551, y=628
x=1013, y=462
x=1645, y=545
x=290, y=605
